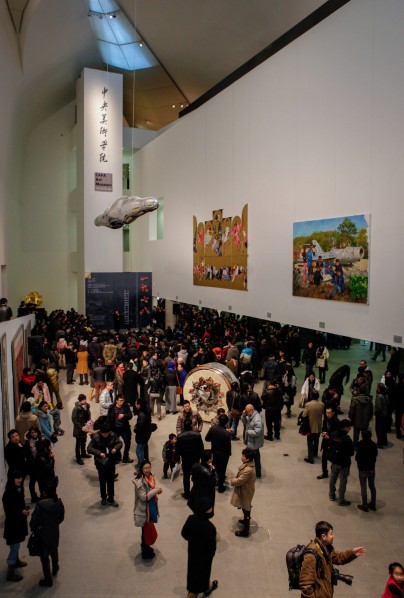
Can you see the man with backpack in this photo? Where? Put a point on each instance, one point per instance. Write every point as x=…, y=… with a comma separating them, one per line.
x=316, y=575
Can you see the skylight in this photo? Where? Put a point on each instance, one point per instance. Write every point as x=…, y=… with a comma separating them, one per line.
x=119, y=43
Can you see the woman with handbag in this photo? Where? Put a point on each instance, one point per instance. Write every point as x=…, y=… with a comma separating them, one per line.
x=146, y=510
x=15, y=525
x=244, y=489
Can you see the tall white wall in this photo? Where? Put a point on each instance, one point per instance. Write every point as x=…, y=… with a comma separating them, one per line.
x=316, y=131
x=48, y=217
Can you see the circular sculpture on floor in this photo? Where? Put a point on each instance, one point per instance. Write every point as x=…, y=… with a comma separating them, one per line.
x=206, y=387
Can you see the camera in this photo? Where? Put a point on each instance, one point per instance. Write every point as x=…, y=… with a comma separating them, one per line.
x=337, y=576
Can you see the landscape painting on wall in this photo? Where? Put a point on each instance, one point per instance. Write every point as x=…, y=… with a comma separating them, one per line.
x=331, y=258
x=220, y=251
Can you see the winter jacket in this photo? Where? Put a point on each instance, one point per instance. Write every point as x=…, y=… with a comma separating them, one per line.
x=322, y=357
x=142, y=495
x=361, y=411
x=106, y=400
x=143, y=427
x=46, y=423
x=122, y=424
x=45, y=520
x=244, y=486
x=272, y=371
x=366, y=455
x=307, y=388
x=15, y=525
x=315, y=582
x=340, y=449
x=314, y=411
x=196, y=420
x=82, y=362
x=190, y=446
x=254, y=430
x=170, y=453
x=204, y=483
x=381, y=405
x=15, y=457
x=80, y=416
x=220, y=440
x=109, y=353
x=392, y=589
x=272, y=399
x=99, y=445
x=25, y=421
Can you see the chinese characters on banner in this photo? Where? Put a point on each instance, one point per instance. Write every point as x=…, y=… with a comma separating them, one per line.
x=103, y=180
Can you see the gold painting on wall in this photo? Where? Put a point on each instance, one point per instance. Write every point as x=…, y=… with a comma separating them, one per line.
x=221, y=251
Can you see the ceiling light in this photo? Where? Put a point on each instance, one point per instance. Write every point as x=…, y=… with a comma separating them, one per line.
x=173, y=105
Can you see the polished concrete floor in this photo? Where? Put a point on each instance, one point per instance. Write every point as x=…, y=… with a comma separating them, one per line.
x=100, y=547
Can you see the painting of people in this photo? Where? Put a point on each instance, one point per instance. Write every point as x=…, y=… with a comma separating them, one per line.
x=331, y=259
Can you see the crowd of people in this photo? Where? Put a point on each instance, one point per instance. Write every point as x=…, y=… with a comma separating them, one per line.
x=136, y=378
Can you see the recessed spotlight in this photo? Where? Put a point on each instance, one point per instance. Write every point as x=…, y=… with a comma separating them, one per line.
x=141, y=45
x=173, y=105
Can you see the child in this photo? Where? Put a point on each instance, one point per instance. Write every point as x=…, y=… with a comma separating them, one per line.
x=395, y=583
x=170, y=457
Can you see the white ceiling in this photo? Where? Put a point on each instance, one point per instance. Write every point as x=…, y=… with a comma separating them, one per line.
x=197, y=43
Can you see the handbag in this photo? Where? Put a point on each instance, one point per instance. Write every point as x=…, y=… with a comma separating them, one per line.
x=180, y=390
x=304, y=425
x=149, y=533
x=34, y=544
x=54, y=438
x=302, y=402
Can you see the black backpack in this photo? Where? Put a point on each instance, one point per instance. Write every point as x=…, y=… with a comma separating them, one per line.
x=294, y=561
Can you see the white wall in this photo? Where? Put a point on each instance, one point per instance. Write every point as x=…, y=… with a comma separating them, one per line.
x=48, y=218
x=315, y=132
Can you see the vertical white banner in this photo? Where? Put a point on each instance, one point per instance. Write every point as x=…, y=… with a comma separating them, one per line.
x=99, y=156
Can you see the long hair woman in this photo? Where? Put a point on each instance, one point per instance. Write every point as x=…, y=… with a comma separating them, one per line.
x=146, y=505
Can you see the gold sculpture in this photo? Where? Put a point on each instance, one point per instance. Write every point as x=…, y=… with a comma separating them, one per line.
x=34, y=298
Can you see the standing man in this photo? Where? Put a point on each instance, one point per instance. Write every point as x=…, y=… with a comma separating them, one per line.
x=80, y=416
x=71, y=360
x=254, y=434
x=330, y=425
x=316, y=572
x=360, y=414
x=366, y=455
x=119, y=415
x=107, y=398
x=104, y=446
x=220, y=438
x=340, y=451
x=272, y=402
x=314, y=410
x=189, y=447
x=193, y=416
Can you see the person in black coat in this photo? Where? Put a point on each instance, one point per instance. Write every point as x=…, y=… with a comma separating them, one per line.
x=189, y=447
x=44, y=465
x=119, y=416
x=366, y=455
x=220, y=438
x=203, y=480
x=200, y=534
x=272, y=402
x=143, y=429
x=49, y=513
x=130, y=385
x=14, y=454
x=330, y=425
x=15, y=525
x=80, y=416
x=104, y=446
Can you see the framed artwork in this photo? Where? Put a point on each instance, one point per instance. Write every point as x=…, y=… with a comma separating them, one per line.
x=5, y=409
x=331, y=259
x=220, y=251
x=17, y=360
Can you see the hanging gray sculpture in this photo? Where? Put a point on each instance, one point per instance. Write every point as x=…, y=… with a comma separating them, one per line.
x=125, y=210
